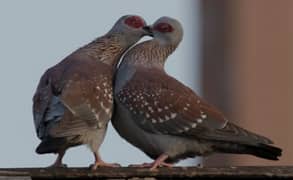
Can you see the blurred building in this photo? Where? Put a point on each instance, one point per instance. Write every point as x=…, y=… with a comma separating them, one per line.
x=248, y=70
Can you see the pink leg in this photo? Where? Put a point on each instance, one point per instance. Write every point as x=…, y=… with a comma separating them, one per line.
x=160, y=162
x=157, y=163
x=58, y=161
x=100, y=163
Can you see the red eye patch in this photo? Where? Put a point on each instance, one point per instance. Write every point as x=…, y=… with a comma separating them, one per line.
x=135, y=22
x=163, y=27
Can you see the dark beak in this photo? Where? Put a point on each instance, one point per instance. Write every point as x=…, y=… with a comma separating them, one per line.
x=148, y=30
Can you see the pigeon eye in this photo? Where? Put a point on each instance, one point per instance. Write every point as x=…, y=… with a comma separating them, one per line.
x=163, y=27
x=135, y=22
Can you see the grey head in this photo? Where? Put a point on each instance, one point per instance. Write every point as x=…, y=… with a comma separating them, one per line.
x=131, y=28
x=167, y=34
x=167, y=31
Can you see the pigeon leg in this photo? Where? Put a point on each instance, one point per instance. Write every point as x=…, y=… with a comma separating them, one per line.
x=159, y=162
x=100, y=163
x=58, y=161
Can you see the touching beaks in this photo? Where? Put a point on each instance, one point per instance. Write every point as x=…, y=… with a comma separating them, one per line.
x=148, y=30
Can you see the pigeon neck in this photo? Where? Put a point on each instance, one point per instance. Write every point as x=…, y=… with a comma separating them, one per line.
x=106, y=49
x=149, y=54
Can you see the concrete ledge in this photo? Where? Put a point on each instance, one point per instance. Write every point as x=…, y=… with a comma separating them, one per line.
x=259, y=172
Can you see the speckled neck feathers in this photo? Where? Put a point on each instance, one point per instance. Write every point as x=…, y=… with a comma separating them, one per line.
x=107, y=49
x=149, y=54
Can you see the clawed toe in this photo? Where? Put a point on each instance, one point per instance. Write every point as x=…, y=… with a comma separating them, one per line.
x=153, y=166
x=104, y=164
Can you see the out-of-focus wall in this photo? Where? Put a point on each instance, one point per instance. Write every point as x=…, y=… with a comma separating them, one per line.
x=248, y=70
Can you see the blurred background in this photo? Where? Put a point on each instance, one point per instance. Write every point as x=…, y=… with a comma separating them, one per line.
x=247, y=63
x=238, y=55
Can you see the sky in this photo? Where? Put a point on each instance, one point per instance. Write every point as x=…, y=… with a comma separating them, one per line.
x=36, y=34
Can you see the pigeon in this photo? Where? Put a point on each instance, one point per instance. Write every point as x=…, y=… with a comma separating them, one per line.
x=164, y=118
x=73, y=102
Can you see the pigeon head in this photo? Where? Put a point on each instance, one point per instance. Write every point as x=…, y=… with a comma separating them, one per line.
x=131, y=27
x=167, y=34
x=167, y=30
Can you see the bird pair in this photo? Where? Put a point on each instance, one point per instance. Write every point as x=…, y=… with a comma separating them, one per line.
x=76, y=98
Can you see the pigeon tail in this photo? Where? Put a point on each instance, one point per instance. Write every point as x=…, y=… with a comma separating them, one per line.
x=259, y=150
x=51, y=145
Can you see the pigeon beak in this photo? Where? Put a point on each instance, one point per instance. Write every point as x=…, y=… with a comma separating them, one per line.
x=148, y=31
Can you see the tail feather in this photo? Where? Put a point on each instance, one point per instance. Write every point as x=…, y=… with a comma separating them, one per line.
x=265, y=151
x=51, y=145
x=260, y=150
